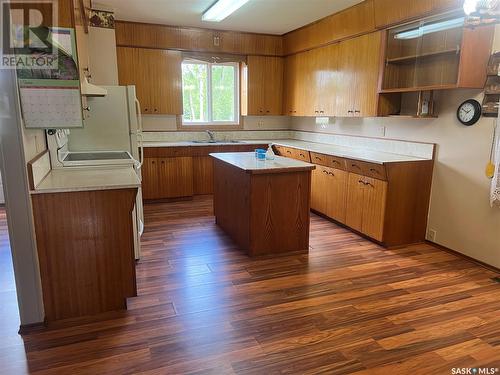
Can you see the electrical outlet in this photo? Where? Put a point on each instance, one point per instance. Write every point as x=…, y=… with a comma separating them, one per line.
x=382, y=131
x=431, y=235
x=261, y=123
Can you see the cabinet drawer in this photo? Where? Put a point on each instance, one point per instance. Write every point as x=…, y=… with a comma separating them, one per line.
x=279, y=150
x=169, y=152
x=302, y=155
x=367, y=169
x=328, y=161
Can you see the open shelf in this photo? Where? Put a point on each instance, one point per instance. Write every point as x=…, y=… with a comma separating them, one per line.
x=415, y=117
x=411, y=58
x=416, y=89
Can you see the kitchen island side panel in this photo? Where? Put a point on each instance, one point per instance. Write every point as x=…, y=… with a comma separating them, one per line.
x=280, y=213
x=232, y=202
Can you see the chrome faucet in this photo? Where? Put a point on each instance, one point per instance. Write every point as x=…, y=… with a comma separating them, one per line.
x=211, y=135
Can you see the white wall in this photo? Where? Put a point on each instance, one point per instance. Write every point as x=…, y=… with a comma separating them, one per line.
x=460, y=210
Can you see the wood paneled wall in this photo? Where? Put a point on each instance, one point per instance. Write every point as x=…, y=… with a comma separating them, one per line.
x=362, y=18
x=130, y=34
x=350, y=22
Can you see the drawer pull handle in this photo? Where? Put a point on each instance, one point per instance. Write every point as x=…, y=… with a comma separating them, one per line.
x=288, y=151
x=374, y=170
x=317, y=158
x=361, y=182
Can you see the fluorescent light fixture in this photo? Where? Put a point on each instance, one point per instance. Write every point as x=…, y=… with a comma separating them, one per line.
x=431, y=28
x=470, y=6
x=222, y=9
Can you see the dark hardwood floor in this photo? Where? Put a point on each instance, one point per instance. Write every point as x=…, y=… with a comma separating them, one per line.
x=205, y=308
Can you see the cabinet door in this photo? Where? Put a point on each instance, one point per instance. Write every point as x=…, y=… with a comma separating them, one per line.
x=359, y=67
x=150, y=174
x=165, y=81
x=133, y=70
x=265, y=85
x=175, y=177
x=391, y=12
x=273, y=85
x=355, y=201
x=290, y=86
x=336, y=194
x=319, y=186
x=374, y=208
x=326, y=79
x=157, y=77
x=203, y=175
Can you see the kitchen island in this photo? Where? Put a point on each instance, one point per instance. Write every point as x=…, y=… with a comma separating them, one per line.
x=263, y=205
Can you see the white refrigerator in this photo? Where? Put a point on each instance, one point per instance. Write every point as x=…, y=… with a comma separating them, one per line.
x=114, y=123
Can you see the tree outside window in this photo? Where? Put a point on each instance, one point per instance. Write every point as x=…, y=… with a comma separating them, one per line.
x=210, y=93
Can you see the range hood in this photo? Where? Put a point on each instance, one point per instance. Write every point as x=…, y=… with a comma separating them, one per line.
x=88, y=89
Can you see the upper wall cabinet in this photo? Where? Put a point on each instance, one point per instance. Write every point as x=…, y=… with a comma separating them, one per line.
x=130, y=34
x=157, y=77
x=337, y=80
x=359, y=67
x=352, y=21
x=311, y=81
x=262, y=86
x=393, y=12
x=436, y=53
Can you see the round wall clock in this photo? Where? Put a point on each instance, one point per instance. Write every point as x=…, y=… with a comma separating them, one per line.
x=469, y=112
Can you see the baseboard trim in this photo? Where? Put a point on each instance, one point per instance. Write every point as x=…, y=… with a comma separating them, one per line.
x=454, y=252
x=26, y=329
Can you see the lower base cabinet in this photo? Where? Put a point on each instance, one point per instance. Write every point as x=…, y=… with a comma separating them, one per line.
x=387, y=202
x=329, y=192
x=184, y=171
x=167, y=177
x=366, y=200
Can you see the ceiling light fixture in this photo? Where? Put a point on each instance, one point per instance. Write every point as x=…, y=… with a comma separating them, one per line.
x=431, y=28
x=222, y=9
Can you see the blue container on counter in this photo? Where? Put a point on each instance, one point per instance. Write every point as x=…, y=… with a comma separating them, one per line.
x=260, y=154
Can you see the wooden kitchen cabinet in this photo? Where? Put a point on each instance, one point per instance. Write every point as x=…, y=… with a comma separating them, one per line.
x=167, y=177
x=157, y=77
x=180, y=172
x=387, y=202
x=359, y=64
x=150, y=176
x=329, y=191
x=262, y=86
x=365, y=210
x=391, y=12
x=175, y=177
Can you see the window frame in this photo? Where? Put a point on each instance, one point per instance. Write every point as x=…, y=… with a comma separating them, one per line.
x=207, y=125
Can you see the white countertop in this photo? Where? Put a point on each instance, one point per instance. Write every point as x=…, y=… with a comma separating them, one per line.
x=247, y=162
x=360, y=154
x=87, y=179
x=354, y=153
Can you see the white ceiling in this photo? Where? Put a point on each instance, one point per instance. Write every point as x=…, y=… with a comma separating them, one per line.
x=262, y=16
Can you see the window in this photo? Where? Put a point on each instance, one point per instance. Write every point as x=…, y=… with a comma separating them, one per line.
x=210, y=93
